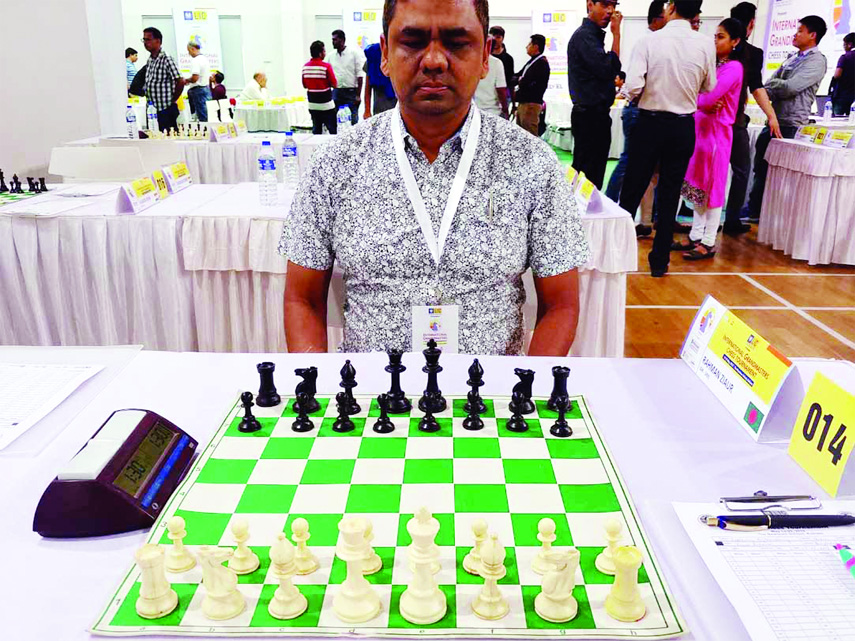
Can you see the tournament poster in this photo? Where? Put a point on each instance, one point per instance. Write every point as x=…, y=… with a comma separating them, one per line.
x=556, y=26
x=201, y=26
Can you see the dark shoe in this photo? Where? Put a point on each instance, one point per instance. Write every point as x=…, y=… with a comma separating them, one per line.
x=701, y=252
x=642, y=231
x=687, y=245
x=680, y=228
x=736, y=229
x=658, y=272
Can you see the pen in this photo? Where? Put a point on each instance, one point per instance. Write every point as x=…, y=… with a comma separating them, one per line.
x=757, y=522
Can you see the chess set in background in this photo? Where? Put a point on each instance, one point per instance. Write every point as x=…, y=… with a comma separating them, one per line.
x=14, y=191
x=402, y=525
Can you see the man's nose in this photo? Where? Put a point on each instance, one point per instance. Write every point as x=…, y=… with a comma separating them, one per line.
x=436, y=57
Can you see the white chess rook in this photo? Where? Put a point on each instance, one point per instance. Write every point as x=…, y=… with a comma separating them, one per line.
x=178, y=557
x=546, y=535
x=244, y=561
x=306, y=561
x=556, y=603
x=604, y=561
x=490, y=604
x=472, y=561
x=356, y=601
x=222, y=600
x=157, y=598
x=423, y=602
x=287, y=601
x=624, y=601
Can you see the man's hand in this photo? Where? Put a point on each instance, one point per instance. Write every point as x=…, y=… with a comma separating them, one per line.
x=557, y=314
x=306, y=308
x=617, y=18
x=774, y=127
x=366, y=114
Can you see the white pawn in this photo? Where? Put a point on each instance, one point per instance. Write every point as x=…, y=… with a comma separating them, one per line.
x=178, y=558
x=604, y=561
x=423, y=602
x=305, y=560
x=244, y=561
x=373, y=563
x=157, y=598
x=472, y=561
x=624, y=601
x=222, y=600
x=287, y=601
x=490, y=604
x=556, y=603
x=356, y=601
x=546, y=535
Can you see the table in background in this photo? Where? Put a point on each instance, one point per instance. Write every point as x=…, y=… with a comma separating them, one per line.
x=559, y=134
x=201, y=271
x=265, y=118
x=809, y=203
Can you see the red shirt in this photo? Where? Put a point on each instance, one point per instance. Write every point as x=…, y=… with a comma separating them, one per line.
x=319, y=80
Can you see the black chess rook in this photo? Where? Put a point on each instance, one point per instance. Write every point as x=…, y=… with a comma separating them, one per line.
x=559, y=387
x=267, y=395
x=432, y=400
x=398, y=401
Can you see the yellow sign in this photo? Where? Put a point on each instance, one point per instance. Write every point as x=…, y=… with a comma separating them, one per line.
x=839, y=139
x=820, y=442
x=232, y=130
x=586, y=189
x=160, y=183
x=820, y=135
x=571, y=175
x=143, y=186
x=806, y=133
x=179, y=170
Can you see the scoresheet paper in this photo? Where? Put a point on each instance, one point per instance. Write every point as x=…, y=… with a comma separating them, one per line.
x=28, y=392
x=784, y=584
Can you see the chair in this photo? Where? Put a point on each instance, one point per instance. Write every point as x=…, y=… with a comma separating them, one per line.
x=99, y=164
x=213, y=110
x=225, y=110
x=154, y=153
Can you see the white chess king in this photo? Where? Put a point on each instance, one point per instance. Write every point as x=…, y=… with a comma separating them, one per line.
x=423, y=602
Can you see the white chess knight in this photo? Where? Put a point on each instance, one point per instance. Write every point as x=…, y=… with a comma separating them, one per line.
x=178, y=557
x=490, y=604
x=555, y=603
x=604, y=562
x=546, y=535
x=244, y=561
x=287, y=601
x=356, y=600
x=157, y=598
x=423, y=602
x=472, y=561
x=372, y=563
x=304, y=559
x=222, y=600
x=624, y=601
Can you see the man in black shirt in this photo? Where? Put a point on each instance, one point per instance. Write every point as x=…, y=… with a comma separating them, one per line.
x=498, y=35
x=740, y=156
x=532, y=81
x=591, y=75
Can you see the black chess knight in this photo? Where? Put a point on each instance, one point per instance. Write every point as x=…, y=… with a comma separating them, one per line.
x=308, y=388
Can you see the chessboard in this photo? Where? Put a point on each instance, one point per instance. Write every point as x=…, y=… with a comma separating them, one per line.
x=7, y=198
x=509, y=479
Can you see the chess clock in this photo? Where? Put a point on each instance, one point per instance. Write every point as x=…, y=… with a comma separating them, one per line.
x=120, y=480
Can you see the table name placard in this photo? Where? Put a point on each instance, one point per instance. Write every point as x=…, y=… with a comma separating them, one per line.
x=177, y=176
x=233, y=133
x=219, y=131
x=138, y=195
x=241, y=128
x=822, y=441
x=159, y=181
x=839, y=139
x=807, y=133
x=742, y=369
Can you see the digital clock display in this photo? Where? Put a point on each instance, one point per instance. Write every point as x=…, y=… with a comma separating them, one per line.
x=143, y=461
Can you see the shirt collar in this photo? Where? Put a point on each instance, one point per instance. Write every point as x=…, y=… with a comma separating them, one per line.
x=593, y=26
x=679, y=23
x=456, y=142
x=802, y=54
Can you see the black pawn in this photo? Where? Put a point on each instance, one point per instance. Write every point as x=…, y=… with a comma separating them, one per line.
x=559, y=386
x=16, y=185
x=398, y=401
x=384, y=424
x=267, y=395
x=473, y=422
x=348, y=382
x=474, y=402
x=561, y=428
x=428, y=423
x=42, y=184
x=432, y=400
x=248, y=423
x=38, y=189
x=31, y=187
x=523, y=404
x=343, y=422
x=307, y=387
x=303, y=422
x=516, y=423
x=3, y=187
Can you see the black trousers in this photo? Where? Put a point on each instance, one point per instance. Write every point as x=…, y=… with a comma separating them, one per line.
x=592, y=137
x=168, y=118
x=740, y=165
x=326, y=117
x=761, y=167
x=667, y=139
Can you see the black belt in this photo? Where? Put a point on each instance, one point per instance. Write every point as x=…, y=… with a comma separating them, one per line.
x=592, y=108
x=665, y=115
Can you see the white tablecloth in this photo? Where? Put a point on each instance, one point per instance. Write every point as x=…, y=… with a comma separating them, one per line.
x=558, y=131
x=200, y=271
x=264, y=118
x=809, y=203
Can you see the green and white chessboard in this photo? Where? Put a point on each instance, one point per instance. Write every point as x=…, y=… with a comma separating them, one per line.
x=6, y=198
x=511, y=480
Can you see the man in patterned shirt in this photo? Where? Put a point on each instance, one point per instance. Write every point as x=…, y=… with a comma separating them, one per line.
x=434, y=204
x=163, y=83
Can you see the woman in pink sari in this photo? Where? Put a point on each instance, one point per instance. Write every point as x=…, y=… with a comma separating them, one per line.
x=706, y=178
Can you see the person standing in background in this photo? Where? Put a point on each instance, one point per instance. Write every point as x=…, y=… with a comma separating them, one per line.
x=131, y=56
x=498, y=44
x=842, y=88
x=256, y=88
x=347, y=63
x=671, y=67
x=163, y=82
x=591, y=75
x=377, y=85
x=215, y=84
x=319, y=80
x=491, y=95
x=531, y=82
x=197, y=85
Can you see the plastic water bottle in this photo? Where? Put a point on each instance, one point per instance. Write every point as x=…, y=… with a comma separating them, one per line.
x=151, y=117
x=268, y=194
x=290, y=168
x=131, y=120
x=348, y=115
x=343, y=119
x=827, y=115
x=852, y=114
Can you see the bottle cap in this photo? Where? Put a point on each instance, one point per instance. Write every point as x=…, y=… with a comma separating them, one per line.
x=265, y=143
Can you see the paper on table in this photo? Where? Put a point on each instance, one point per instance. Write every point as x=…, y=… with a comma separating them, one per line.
x=52, y=207
x=29, y=392
x=87, y=189
x=784, y=583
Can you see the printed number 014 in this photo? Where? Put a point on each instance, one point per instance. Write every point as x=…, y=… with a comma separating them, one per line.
x=835, y=446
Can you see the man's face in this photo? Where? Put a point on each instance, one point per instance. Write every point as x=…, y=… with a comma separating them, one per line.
x=134, y=57
x=658, y=22
x=262, y=80
x=696, y=23
x=151, y=45
x=600, y=12
x=435, y=54
x=498, y=42
x=193, y=51
x=803, y=39
x=532, y=49
x=337, y=43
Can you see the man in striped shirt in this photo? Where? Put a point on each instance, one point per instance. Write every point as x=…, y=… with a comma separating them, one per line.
x=319, y=81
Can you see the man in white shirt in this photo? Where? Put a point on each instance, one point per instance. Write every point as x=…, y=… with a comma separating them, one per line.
x=197, y=85
x=256, y=89
x=347, y=63
x=671, y=67
x=491, y=95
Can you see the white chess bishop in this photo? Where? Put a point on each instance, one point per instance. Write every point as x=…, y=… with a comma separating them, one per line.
x=356, y=600
x=178, y=557
x=244, y=561
x=546, y=535
x=305, y=561
x=490, y=604
x=423, y=602
x=157, y=598
x=624, y=601
x=605, y=559
x=556, y=603
x=287, y=601
x=472, y=561
x=222, y=600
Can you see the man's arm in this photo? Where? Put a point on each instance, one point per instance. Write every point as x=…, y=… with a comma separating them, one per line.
x=367, y=113
x=809, y=73
x=306, y=308
x=179, y=88
x=617, y=18
x=765, y=104
x=503, y=100
x=636, y=75
x=600, y=63
x=557, y=314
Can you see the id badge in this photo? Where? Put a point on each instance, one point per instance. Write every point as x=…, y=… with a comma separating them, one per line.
x=437, y=322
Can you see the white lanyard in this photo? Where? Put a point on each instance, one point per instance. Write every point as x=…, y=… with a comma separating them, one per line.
x=436, y=245
x=529, y=65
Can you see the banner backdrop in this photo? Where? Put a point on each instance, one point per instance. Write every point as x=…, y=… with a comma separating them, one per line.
x=556, y=26
x=784, y=18
x=201, y=26
x=363, y=27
